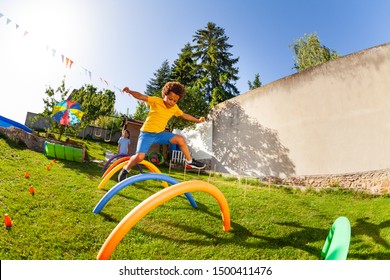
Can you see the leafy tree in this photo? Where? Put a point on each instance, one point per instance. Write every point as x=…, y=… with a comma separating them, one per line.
x=216, y=69
x=256, y=82
x=54, y=96
x=94, y=103
x=141, y=111
x=308, y=52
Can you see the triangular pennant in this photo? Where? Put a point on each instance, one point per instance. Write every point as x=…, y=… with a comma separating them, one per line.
x=8, y=20
x=53, y=51
x=62, y=58
x=90, y=75
x=1, y=15
x=17, y=26
x=70, y=63
x=25, y=33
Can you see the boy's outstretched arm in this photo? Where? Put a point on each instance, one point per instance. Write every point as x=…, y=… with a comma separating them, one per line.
x=136, y=94
x=192, y=119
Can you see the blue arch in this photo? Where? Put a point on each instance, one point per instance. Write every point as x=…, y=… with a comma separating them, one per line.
x=134, y=179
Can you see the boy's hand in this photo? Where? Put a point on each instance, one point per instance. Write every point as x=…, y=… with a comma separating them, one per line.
x=126, y=89
x=202, y=119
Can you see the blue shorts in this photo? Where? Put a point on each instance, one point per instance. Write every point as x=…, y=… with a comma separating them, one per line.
x=147, y=139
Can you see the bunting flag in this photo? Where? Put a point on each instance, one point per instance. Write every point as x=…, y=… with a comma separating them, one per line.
x=64, y=59
x=68, y=63
x=103, y=81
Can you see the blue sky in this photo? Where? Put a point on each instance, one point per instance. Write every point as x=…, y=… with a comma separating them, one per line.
x=123, y=42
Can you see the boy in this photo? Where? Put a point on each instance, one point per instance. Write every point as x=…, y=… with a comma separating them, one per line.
x=153, y=130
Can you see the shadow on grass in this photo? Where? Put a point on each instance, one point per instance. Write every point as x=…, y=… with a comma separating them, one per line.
x=298, y=239
x=365, y=228
x=240, y=235
x=362, y=227
x=108, y=217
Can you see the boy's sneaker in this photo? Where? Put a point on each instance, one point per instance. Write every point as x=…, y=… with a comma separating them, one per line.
x=122, y=175
x=195, y=164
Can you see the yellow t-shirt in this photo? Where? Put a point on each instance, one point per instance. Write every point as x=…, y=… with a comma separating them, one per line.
x=159, y=115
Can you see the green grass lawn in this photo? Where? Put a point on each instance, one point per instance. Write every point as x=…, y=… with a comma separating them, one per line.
x=268, y=222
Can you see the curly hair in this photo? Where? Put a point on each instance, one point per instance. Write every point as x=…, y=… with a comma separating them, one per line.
x=175, y=87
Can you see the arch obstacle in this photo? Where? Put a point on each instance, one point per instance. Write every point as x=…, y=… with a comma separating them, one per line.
x=337, y=242
x=155, y=200
x=112, y=158
x=150, y=166
x=134, y=179
x=115, y=163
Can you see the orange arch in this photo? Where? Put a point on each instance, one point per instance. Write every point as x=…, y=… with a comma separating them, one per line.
x=115, y=163
x=150, y=166
x=155, y=200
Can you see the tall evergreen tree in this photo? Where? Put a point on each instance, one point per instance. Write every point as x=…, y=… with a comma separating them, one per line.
x=184, y=68
x=256, y=82
x=161, y=76
x=153, y=88
x=216, y=70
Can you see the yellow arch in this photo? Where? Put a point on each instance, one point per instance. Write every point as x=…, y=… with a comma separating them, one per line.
x=115, y=163
x=150, y=166
x=155, y=200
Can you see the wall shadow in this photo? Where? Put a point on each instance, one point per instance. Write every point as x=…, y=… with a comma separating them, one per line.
x=243, y=146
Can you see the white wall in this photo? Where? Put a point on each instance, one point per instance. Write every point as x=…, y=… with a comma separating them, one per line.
x=199, y=140
x=331, y=119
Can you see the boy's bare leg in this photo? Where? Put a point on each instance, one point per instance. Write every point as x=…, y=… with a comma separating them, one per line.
x=134, y=160
x=192, y=163
x=179, y=140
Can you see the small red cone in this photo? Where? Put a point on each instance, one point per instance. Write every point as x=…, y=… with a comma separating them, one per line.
x=54, y=160
x=47, y=167
x=7, y=220
x=32, y=190
x=26, y=175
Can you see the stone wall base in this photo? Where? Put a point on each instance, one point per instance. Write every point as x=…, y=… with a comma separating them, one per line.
x=372, y=182
x=32, y=141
